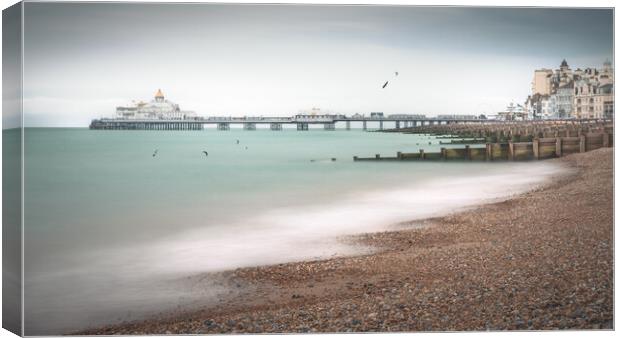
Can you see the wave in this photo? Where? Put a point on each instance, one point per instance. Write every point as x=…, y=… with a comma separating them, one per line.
x=145, y=278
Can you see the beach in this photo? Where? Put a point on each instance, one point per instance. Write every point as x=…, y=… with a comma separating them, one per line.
x=540, y=260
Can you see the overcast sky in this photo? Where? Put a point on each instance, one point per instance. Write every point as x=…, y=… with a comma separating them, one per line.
x=83, y=60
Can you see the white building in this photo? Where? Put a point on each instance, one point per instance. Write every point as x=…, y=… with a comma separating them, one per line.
x=157, y=109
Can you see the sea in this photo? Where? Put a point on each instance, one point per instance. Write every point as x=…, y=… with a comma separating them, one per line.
x=122, y=225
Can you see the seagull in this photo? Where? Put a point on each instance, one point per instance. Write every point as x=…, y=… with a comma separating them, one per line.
x=396, y=73
x=385, y=84
x=237, y=141
x=205, y=152
x=155, y=153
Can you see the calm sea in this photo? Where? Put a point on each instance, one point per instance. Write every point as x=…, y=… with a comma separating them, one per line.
x=113, y=233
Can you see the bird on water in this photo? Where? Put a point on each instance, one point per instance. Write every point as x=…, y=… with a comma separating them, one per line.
x=155, y=152
x=205, y=152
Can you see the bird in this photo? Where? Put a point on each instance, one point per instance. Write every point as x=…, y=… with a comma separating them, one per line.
x=246, y=147
x=385, y=84
x=396, y=73
x=205, y=152
x=237, y=141
x=155, y=152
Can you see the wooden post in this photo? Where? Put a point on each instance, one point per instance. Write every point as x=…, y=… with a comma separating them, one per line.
x=399, y=155
x=582, y=144
x=354, y=158
x=605, y=140
x=443, y=154
x=421, y=154
x=467, y=153
x=535, y=148
x=377, y=156
x=511, y=153
x=558, y=147
x=489, y=152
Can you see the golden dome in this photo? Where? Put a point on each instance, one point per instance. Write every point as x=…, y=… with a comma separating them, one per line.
x=159, y=93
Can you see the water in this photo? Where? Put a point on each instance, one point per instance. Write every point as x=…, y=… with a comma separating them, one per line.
x=112, y=233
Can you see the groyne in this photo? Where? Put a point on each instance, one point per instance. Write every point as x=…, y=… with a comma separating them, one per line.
x=511, y=141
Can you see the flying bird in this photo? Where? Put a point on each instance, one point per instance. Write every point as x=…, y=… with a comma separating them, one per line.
x=396, y=73
x=385, y=84
x=205, y=152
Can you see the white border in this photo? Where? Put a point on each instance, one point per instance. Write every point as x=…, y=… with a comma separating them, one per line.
x=486, y=3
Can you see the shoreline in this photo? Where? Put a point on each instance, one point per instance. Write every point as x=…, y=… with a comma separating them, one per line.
x=538, y=260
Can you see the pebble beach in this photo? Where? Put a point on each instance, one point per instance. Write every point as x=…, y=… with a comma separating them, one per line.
x=541, y=260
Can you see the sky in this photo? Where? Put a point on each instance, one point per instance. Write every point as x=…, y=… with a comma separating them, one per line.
x=82, y=60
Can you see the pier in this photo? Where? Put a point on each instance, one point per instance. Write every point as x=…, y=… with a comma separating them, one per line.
x=277, y=123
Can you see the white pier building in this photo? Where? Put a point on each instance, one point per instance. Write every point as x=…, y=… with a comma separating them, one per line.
x=157, y=109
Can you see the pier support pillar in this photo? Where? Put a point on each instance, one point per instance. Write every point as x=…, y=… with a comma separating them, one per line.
x=329, y=126
x=364, y=126
x=275, y=126
x=302, y=126
x=249, y=126
x=397, y=124
x=348, y=125
x=380, y=125
x=223, y=126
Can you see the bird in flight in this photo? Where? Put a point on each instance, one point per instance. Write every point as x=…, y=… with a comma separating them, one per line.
x=205, y=152
x=386, y=82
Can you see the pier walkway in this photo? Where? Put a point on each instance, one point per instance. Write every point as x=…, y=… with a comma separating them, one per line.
x=277, y=123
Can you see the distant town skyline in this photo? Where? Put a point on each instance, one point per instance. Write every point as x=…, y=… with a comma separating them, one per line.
x=82, y=60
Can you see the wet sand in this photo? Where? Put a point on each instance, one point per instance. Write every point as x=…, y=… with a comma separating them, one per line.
x=541, y=260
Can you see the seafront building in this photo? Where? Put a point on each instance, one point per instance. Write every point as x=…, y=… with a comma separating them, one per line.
x=514, y=112
x=566, y=93
x=157, y=109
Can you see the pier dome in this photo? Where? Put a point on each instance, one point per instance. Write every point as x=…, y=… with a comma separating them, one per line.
x=159, y=96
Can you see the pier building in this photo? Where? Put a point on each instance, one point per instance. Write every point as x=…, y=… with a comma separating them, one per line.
x=158, y=109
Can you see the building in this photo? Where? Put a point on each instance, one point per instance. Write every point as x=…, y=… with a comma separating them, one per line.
x=457, y=117
x=542, y=82
x=376, y=115
x=538, y=106
x=157, y=109
x=407, y=116
x=315, y=114
x=564, y=93
x=604, y=101
x=513, y=113
x=563, y=99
